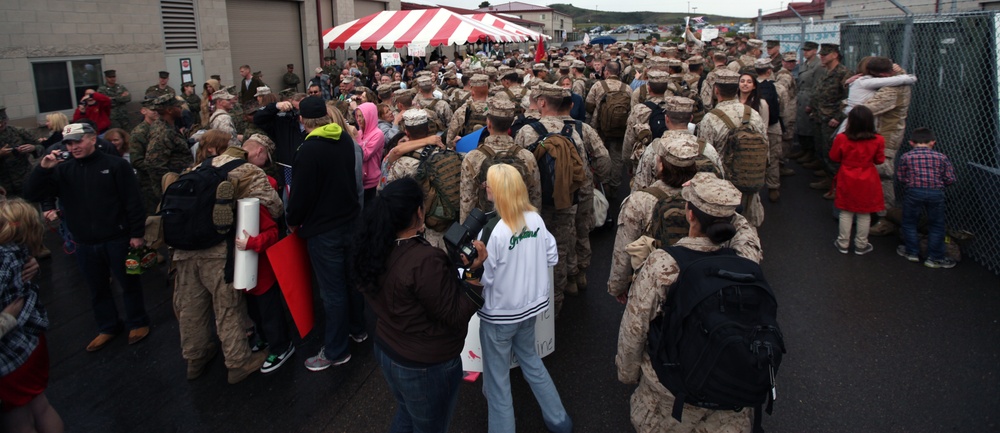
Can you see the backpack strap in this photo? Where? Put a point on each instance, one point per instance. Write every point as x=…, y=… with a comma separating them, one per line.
x=729, y=122
x=490, y=153
x=746, y=114
x=541, y=131
x=489, y=227
x=604, y=84
x=655, y=192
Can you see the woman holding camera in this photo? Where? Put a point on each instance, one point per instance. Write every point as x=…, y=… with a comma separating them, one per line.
x=423, y=308
x=515, y=289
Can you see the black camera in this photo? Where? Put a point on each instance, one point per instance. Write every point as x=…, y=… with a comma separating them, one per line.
x=459, y=237
x=63, y=155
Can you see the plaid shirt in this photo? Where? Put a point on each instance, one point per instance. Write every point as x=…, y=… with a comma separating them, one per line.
x=924, y=167
x=17, y=345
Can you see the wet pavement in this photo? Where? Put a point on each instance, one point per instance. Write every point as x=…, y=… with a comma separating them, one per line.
x=876, y=344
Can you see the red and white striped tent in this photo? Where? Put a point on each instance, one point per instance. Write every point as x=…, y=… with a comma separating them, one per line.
x=501, y=23
x=422, y=27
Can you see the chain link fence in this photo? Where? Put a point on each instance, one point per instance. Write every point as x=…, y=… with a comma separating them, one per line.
x=956, y=60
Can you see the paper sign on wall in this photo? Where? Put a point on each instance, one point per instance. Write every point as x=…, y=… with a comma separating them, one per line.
x=391, y=59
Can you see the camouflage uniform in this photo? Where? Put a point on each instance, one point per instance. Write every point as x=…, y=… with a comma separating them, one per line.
x=713, y=130
x=579, y=87
x=638, y=127
x=119, y=117
x=708, y=90
x=201, y=289
x=16, y=166
x=645, y=172
x=890, y=105
x=405, y=166
x=474, y=161
x=458, y=127
x=747, y=61
x=222, y=121
x=825, y=103
x=442, y=109
x=633, y=222
x=291, y=81
x=614, y=145
x=810, y=72
x=166, y=152
x=788, y=109
x=138, y=143
x=166, y=90
x=457, y=97
x=773, y=176
x=651, y=403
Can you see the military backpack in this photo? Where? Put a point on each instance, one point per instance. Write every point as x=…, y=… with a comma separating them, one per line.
x=440, y=175
x=615, y=108
x=745, y=159
x=474, y=119
x=547, y=164
x=493, y=157
x=189, y=203
x=668, y=222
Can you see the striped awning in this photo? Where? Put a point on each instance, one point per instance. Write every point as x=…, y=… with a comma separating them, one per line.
x=501, y=23
x=423, y=27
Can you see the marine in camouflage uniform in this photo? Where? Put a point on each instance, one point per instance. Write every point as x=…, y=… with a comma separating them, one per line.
x=290, y=80
x=594, y=101
x=440, y=106
x=826, y=104
x=645, y=172
x=652, y=403
x=890, y=105
x=597, y=166
x=221, y=120
x=473, y=162
x=201, y=289
x=15, y=164
x=138, y=144
x=637, y=132
x=161, y=88
x=168, y=150
x=810, y=72
x=462, y=120
x=788, y=108
x=713, y=130
x=636, y=214
x=119, y=97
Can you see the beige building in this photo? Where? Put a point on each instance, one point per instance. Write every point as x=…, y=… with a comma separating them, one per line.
x=849, y=9
x=52, y=51
x=555, y=23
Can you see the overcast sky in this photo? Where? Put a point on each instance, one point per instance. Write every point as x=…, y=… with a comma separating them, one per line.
x=739, y=8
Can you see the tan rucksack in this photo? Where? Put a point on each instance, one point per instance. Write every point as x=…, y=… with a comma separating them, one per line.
x=745, y=160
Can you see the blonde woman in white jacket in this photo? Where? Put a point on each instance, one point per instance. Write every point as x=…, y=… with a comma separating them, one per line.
x=515, y=280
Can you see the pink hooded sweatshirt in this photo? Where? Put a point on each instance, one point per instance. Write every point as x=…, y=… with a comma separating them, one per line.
x=372, y=142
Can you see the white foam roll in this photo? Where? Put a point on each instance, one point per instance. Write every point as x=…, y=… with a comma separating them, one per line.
x=247, y=218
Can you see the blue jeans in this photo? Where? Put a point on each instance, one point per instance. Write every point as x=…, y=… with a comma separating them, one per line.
x=425, y=397
x=98, y=264
x=343, y=307
x=498, y=342
x=915, y=201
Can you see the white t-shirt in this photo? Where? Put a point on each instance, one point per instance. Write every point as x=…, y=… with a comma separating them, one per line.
x=515, y=274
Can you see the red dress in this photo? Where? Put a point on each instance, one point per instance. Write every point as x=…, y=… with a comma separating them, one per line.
x=859, y=188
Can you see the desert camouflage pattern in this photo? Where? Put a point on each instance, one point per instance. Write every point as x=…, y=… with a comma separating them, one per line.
x=473, y=162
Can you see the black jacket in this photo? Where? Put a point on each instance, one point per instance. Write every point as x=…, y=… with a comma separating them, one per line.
x=99, y=195
x=326, y=183
x=283, y=128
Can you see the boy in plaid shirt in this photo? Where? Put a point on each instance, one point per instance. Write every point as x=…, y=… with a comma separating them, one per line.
x=924, y=173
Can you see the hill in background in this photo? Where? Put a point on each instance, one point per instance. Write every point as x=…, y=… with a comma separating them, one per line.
x=586, y=18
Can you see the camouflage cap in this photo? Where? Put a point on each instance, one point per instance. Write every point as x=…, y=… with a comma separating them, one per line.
x=263, y=90
x=656, y=62
x=265, y=141
x=433, y=64
x=479, y=80
x=714, y=196
x=449, y=75
x=696, y=60
x=423, y=73
x=221, y=94
x=414, y=117
x=605, y=56
x=673, y=63
x=762, y=64
x=578, y=64
x=679, y=150
x=809, y=45
x=347, y=80
x=491, y=71
x=149, y=100
x=539, y=67
x=640, y=54
x=565, y=64
x=678, y=104
x=755, y=43
x=726, y=76
x=657, y=76
x=424, y=80
x=790, y=57
x=383, y=88
x=403, y=92
x=168, y=100
x=670, y=49
x=500, y=107
x=549, y=90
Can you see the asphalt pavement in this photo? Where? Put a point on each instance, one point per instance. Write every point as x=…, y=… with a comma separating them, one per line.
x=875, y=344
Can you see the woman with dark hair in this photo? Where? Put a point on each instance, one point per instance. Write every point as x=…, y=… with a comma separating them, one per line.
x=675, y=165
x=423, y=308
x=751, y=97
x=119, y=139
x=858, y=187
x=713, y=224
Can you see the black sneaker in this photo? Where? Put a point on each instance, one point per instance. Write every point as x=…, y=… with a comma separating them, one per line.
x=275, y=360
x=258, y=345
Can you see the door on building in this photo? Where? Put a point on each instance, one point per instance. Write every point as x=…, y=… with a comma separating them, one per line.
x=267, y=35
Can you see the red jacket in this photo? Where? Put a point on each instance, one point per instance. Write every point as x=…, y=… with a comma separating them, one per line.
x=268, y=236
x=859, y=188
x=100, y=112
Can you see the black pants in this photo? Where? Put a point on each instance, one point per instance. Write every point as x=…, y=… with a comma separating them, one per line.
x=268, y=313
x=807, y=143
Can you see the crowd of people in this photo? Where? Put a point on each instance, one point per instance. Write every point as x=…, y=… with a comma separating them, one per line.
x=373, y=166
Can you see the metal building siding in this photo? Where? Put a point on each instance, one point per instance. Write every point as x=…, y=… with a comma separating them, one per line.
x=267, y=35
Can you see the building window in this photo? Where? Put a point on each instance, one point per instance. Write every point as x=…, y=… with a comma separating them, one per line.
x=60, y=84
x=543, y=16
x=562, y=25
x=180, y=28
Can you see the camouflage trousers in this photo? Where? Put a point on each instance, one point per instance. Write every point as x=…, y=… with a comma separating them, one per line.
x=150, y=196
x=119, y=119
x=199, y=291
x=562, y=225
x=886, y=172
x=787, y=138
x=824, y=142
x=753, y=210
x=651, y=407
x=614, y=146
x=772, y=177
x=584, y=222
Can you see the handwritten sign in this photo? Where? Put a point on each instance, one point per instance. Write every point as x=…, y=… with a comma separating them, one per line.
x=708, y=34
x=391, y=59
x=416, y=51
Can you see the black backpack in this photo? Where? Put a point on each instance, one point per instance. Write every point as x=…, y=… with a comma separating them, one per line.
x=547, y=164
x=657, y=120
x=717, y=344
x=770, y=94
x=187, y=206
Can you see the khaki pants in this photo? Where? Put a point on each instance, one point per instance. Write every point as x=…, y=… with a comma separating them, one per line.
x=562, y=225
x=584, y=222
x=773, y=176
x=199, y=291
